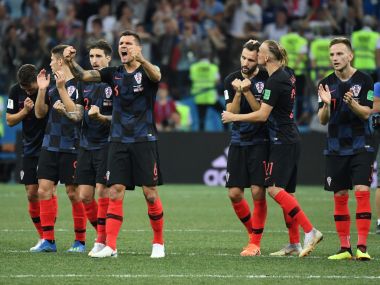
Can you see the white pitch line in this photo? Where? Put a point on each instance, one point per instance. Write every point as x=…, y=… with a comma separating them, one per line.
x=184, y=276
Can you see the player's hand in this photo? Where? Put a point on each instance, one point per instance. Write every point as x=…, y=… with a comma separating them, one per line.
x=59, y=106
x=227, y=117
x=348, y=97
x=60, y=79
x=245, y=85
x=94, y=112
x=69, y=53
x=236, y=85
x=135, y=53
x=28, y=104
x=324, y=94
x=43, y=79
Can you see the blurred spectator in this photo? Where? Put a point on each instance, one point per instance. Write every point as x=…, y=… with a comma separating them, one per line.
x=319, y=59
x=146, y=41
x=108, y=21
x=165, y=113
x=97, y=32
x=139, y=9
x=125, y=19
x=276, y=30
x=366, y=46
x=5, y=20
x=163, y=13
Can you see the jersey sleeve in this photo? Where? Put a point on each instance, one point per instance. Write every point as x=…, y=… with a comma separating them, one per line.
x=229, y=92
x=271, y=93
x=366, y=93
x=106, y=75
x=12, y=105
x=80, y=99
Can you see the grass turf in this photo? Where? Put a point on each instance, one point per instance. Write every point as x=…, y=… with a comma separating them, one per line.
x=203, y=239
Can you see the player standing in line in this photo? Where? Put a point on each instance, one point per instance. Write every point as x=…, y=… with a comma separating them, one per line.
x=133, y=155
x=248, y=151
x=57, y=160
x=345, y=103
x=277, y=109
x=94, y=106
x=20, y=108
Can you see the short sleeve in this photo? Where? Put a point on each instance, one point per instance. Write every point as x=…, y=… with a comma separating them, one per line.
x=229, y=92
x=12, y=104
x=366, y=93
x=106, y=75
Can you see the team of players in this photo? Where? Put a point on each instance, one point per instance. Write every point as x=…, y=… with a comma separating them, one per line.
x=263, y=155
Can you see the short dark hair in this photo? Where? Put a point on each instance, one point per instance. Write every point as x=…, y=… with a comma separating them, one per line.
x=103, y=45
x=27, y=74
x=133, y=34
x=252, y=46
x=341, y=40
x=58, y=50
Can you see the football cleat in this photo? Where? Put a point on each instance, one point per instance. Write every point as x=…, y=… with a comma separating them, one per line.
x=45, y=246
x=251, y=250
x=289, y=249
x=343, y=253
x=37, y=245
x=97, y=247
x=310, y=242
x=105, y=252
x=77, y=246
x=363, y=256
x=378, y=229
x=158, y=251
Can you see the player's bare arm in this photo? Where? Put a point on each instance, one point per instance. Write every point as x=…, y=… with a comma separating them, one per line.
x=363, y=112
x=152, y=71
x=76, y=115
x=324, y=112
x=43, y=81
x=258, y=116
x=94, y=114
x=234, y=106
x=65, y=98
x=78, y=72
x=245, y=87
x=14, y=119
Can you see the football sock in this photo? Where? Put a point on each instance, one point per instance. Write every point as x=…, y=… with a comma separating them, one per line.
x=290, y=205
x=363, y=216
x=244, y=214
x=114, y=221
x=55, y=206
x=293, y=229
x=79, y=217
x=156, y=217
x=342, y=220
x=92, y=212
x=259, y=217
x=102, y=213
x=47, y=216
x=34, y=212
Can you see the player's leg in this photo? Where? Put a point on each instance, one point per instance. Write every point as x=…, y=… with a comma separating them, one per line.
x=119, y=174
x=147, y=173
x=67, y=165
x=362, y=166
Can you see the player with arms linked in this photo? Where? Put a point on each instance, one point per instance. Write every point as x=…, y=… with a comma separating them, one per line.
x=133, y=155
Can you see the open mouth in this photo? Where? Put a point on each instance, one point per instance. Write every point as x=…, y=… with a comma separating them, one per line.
x=124, y=53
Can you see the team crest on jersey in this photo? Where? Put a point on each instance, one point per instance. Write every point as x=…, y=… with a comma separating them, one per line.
x=108, y=92
x=70, y=90
x=138, y=77
x=260, y=86
x=356, y=89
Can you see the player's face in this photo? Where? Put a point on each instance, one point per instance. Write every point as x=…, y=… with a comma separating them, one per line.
x=55, y=63
x=98, y=59
x=248, y=61
x=263, y=54
x=30, y=89
x=340, y=56
x=126, y=42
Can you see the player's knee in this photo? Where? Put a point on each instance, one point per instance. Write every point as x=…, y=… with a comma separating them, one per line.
x=150, y=197
x=235, y=197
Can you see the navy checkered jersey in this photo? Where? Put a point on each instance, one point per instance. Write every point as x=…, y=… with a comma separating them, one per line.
x=94, y=134
x=347, y=133
x=280, y=92
x=61, y=134
x=133, y=104
x=245, y=133
x=33, y=129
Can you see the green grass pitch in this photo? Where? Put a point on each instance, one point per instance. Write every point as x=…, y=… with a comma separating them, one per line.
x=203, y=239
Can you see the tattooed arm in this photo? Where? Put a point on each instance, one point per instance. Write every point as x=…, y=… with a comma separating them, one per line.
x=75, y=116
x=78, y=72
